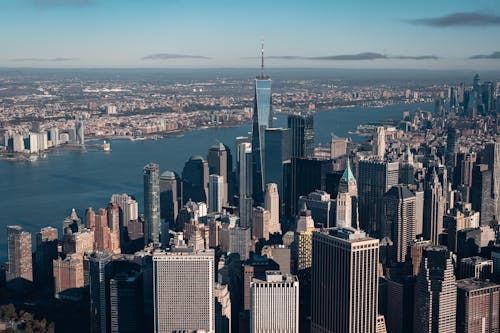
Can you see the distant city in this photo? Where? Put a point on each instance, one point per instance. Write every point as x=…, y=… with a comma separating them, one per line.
x=396, y=232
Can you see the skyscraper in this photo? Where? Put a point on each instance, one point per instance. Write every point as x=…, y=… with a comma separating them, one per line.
x=434, y=202
x=152, y=204
x=80, y=131
x=46, y=251
x=195, y=180
x=379, y=142
x=99, y=292
x=274, y=303
x=347, y=199
x=216, y=189
x=277, y=153
x=169, y=205
x=400, y=220
x=126, y=302
x=262, y=117
x=260, y=223
x=245, y=173
x=183, y=291
x=20, y=267
x=477, y=306
x=218, y=165
x=374, y=179
x=301, y=134
x=492, y=158
x=435, y=292
x=344, y=290
x=272, y=204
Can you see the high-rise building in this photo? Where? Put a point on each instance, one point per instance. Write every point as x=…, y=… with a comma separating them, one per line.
x=477, y=306
x=480, y=193
x=260, y=223
x=435, y=292
x=113, y=211
x=99, y=292
x=239, y=241
x=434, y=202
x=218, y=165
x=301, y=134
x=344, y=290
x=305, y=176
x=216, y=189
x=80, y=131
x=274, y=303
x=54, y=136
x=400, y=220
x=180, y=280
x=321, y=207
x=68, y=277
x=195, y=180
x=347, y=199
x=126, y=300
x=338, y=147
x=476, y=267
x=129, y=208
x=262, y=119
x=272, y=204
x=374, y=179
x=245, y=182
x=492, y=158
x=20, y=266
x=379, y=142
x=169, y=204
x=222, y=308
x=46, y=251
x=277, y=153
x=152, y=204
x=400, y=303
x=255, y=267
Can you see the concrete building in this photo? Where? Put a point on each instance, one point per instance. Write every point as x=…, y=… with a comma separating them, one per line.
x=261, y=220
x=272, y=204
x=182, y=280
x=476, y=267
x=274, y=303
x=477, y=306
x=68, y=278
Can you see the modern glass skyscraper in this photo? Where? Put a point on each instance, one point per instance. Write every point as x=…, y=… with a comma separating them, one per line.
x=152, y=203
x=262, y=116
x=302, y=134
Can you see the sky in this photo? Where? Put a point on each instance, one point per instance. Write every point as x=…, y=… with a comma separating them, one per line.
x=426, y=34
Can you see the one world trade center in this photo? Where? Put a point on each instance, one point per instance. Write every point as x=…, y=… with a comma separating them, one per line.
x=262, y=116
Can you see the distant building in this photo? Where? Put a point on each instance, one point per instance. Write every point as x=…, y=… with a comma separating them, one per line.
x=152, y=204
x=245, y=184
x=277, y=153
x=68, y=278
x=302, y=134
x=195, y=179
x=46, y=251
x=20, y=266
x=322, y=207
x=476, y=267
x=272, y=204
x=374, y=179
x=274, y=303
x=99, y=292
x=218, y=165
x=216, y=192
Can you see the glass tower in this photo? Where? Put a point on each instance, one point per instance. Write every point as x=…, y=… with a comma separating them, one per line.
x=152, y=204
x=262, y=116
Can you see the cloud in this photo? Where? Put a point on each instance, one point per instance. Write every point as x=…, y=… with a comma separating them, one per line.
x=169, y=56
x=58, y=59
x=494, y=55
x=355, y=57
x=423, y=57
x=459, y=19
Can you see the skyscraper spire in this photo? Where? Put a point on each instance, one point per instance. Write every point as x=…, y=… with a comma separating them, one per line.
x=262, y=59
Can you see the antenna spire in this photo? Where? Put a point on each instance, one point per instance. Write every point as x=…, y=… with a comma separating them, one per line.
x=262, y=60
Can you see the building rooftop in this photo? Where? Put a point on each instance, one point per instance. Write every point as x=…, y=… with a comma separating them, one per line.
x=168, y=174
x=474, y=284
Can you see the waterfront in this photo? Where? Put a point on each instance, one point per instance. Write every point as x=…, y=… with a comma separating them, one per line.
x=42, y=193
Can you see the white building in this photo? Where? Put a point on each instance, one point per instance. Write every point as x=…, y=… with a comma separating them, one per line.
x=183, y=291
x=274, y=304
x=272, y=204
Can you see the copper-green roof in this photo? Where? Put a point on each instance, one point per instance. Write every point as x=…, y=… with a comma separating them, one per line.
x=348, y=176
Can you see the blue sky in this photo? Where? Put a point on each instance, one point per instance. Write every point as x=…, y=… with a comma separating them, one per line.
x=227, y=33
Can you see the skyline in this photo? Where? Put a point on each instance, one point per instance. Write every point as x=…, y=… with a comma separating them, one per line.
x=195, y=34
